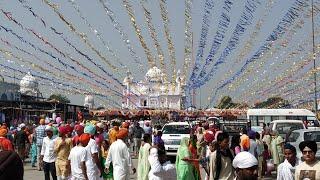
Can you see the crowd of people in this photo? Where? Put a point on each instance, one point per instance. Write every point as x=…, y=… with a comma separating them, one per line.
x=96, y=150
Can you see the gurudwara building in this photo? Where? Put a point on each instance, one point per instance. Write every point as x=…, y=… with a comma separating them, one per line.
x=154, y=91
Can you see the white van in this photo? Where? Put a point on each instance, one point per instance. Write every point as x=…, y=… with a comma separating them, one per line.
x=286, y=126
x=172, y=133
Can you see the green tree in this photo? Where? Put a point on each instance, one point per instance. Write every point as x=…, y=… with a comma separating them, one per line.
x=59, y=97
x=272, y=103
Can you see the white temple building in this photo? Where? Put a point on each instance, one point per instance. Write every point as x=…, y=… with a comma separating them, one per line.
x=89, y=101
x=29, y=86
x=154, y=91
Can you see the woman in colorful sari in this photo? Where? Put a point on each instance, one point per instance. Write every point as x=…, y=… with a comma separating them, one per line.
x=194, y=155
x=185, y=170
x=104, y=153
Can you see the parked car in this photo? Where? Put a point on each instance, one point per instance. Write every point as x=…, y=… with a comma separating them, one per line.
x=286, y=126
x=172, y=133
x=298, y=136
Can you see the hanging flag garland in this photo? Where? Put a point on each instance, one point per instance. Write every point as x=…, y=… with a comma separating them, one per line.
x=153, y=34
x=286, y=21
x=166, y=21
x=138, y=33
x=245, y=21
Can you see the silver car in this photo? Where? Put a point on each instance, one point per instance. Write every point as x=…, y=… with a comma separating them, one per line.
x=300, y=135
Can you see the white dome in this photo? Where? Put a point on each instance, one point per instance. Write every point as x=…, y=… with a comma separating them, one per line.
x=154, y=74
x=29, y=85
x=89, y=101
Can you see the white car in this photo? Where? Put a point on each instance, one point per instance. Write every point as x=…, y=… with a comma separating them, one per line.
x=172, y=133
x=298, y=136
x=286, y=126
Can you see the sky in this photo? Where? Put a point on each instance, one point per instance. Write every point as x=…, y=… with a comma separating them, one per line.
x=83, y=50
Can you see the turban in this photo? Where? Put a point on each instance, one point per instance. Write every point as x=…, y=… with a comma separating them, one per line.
x=55, y=130
x=63, y=130
x=90, y=129
x=208, y=136
x=22, y=125
x=42, y=121
x=84, y=138
x=310, y=144
x=252, y=134
x=289, y=146
x=69, y=128
x=49, y=128
x=100, y=125
x=79, y=127
x=123, y=132
x=3, y=132
x=244, y=160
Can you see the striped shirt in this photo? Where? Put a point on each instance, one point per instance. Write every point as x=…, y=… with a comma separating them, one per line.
x=40, y=134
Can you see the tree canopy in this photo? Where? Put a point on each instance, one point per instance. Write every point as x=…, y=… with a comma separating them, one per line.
x=272, y=102
x=59, y=97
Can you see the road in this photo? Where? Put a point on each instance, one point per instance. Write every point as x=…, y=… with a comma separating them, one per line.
x=33, y=174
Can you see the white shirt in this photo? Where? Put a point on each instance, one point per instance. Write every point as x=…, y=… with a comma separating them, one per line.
x=167, y=171
x=286, y=171
x=120, y=157
x=47, y=150
x=92, y=168
x=77, y=155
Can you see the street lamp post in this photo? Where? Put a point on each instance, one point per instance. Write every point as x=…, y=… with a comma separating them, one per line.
x=314, y=61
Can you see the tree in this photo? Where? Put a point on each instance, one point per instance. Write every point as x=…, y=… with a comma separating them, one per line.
x=59, y=97
x=227, y=103
x=273, y=103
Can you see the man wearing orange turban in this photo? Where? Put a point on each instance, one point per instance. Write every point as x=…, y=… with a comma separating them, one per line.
x=5, y=144
x=113, y=134
x=120, y=157
x=78, y=157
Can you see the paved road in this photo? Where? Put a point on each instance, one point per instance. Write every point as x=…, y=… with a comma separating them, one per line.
x=33, y=174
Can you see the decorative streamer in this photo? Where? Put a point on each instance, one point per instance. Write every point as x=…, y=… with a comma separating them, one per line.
x=187, y=38
x=82, y=36
x=223, y=26
x=63, y=54
x=138, y=33
x=245, y=20
x=153, y=34
x=165, y=19
x=35, y=65
x=293, y=77
x=49, y=54
x=206, y=21
x=73, y=90
x=123, y=35
x=248, y=45
x=87, y=57
x=96, y=33
x=72, y=59
x=285, y=22
x=255, y=66
x=283, y=43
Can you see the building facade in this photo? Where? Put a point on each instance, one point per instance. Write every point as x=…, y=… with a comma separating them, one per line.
x=154, y=91
x=9, y=91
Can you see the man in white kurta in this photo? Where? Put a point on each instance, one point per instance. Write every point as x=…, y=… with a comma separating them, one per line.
x=120, y=157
